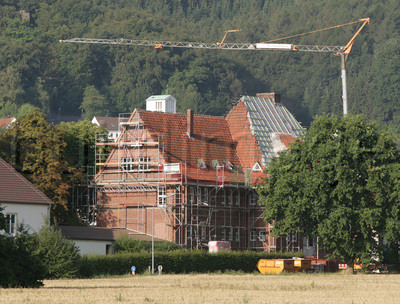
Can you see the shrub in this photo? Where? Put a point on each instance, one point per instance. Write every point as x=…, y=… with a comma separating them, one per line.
x=19, y=267
x=126, y=244
x=178, y=261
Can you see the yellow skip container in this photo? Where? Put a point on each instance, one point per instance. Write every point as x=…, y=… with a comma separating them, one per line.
x=275, y=266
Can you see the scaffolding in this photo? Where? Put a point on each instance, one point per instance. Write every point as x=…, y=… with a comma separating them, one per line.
x=192, y=211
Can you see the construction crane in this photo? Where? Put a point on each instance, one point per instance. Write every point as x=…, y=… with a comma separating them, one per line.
x=342, y=51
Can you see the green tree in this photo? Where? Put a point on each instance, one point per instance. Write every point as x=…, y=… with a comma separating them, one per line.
x=18, y=266
x=93, y=103
x=80, y=138
x=59, y=254
x=337, y=183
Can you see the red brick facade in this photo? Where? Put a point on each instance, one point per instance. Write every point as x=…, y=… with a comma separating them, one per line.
x=186, y=178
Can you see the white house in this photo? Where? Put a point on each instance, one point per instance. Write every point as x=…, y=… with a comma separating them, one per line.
x=97, y=240
x=108, y=123
x=22, y=203
x=6, y=123
x=161, y=103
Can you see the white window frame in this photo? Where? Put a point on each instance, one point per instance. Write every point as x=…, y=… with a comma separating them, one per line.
x=198, y=195
x=189, y=232
x=237, y=234
x=237, y=200
x=253, y=199
x=159, y=106
x=262, y=234
x=229, y=196
x=144, y=163
x=11, y=223
x=205, y=196
x=203, y=232
x=223, y=234
x=223, y=197
x=127, y=164
x=161, y=196
x=230, y=233
x=253, y=235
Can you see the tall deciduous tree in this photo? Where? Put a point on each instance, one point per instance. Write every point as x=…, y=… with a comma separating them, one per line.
x=340, y=183
x=39, y=155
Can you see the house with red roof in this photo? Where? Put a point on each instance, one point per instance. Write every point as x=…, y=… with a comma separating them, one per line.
x=23, y=204
x=191, y=178
x=5, y=123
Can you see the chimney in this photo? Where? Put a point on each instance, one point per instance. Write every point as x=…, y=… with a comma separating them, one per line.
x=190, y=122
x=274, y=96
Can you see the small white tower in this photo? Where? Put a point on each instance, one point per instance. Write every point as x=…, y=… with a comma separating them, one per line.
x=161, y=103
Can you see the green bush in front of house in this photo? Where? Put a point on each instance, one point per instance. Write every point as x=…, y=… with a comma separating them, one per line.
x=178, y=261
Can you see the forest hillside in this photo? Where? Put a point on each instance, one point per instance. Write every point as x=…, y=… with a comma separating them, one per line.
x=86, y=80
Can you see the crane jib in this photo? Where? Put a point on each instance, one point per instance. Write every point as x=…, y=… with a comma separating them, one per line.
x=201, y=45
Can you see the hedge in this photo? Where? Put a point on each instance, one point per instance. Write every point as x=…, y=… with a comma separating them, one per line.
x=180, y=261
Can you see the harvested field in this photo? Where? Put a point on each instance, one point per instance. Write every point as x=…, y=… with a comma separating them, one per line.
x=212, y=288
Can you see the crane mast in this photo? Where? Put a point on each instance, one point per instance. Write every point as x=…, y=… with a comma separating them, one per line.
x=342, y=51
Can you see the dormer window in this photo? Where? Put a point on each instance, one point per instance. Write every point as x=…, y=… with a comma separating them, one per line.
x=201, y=164
x=215, y=164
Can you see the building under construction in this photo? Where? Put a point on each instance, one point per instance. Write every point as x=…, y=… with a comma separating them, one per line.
x=191, y=178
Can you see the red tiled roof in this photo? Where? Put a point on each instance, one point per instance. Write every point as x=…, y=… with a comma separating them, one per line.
x=287, y=139
x=246, y=143
x=14, y=188
x=211, y=138
x=5, y=122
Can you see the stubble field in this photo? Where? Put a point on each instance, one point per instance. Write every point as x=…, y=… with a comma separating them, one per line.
x=246, y=288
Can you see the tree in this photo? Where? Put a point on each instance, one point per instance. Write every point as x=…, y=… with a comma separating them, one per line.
x=93, y=103
x=59, y=254
x=339, y=182
x=39, y=155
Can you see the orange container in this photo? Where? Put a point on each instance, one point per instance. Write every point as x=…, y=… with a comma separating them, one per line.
x=302, y=265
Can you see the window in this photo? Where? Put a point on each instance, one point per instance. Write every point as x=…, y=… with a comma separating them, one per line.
x=189, y=232
x=310, y=242
x=237, y=234
x=201, y=164
x=294, y=237
x=230, y=233
x=223, y=234
x=253, y=199
x=161, y=197
x=144, y=163
x=11, y=224
x=191, y=195
x=205, y=196
x=262, y=236
x=198, y=195
x=127, y=164
x=229, y=196
x=159, y=106
x=253, y=235
x=223, y=197
x=237, y=200
x=203, y=232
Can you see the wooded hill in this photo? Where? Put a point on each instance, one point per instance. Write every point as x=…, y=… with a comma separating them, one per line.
x=73, y=79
